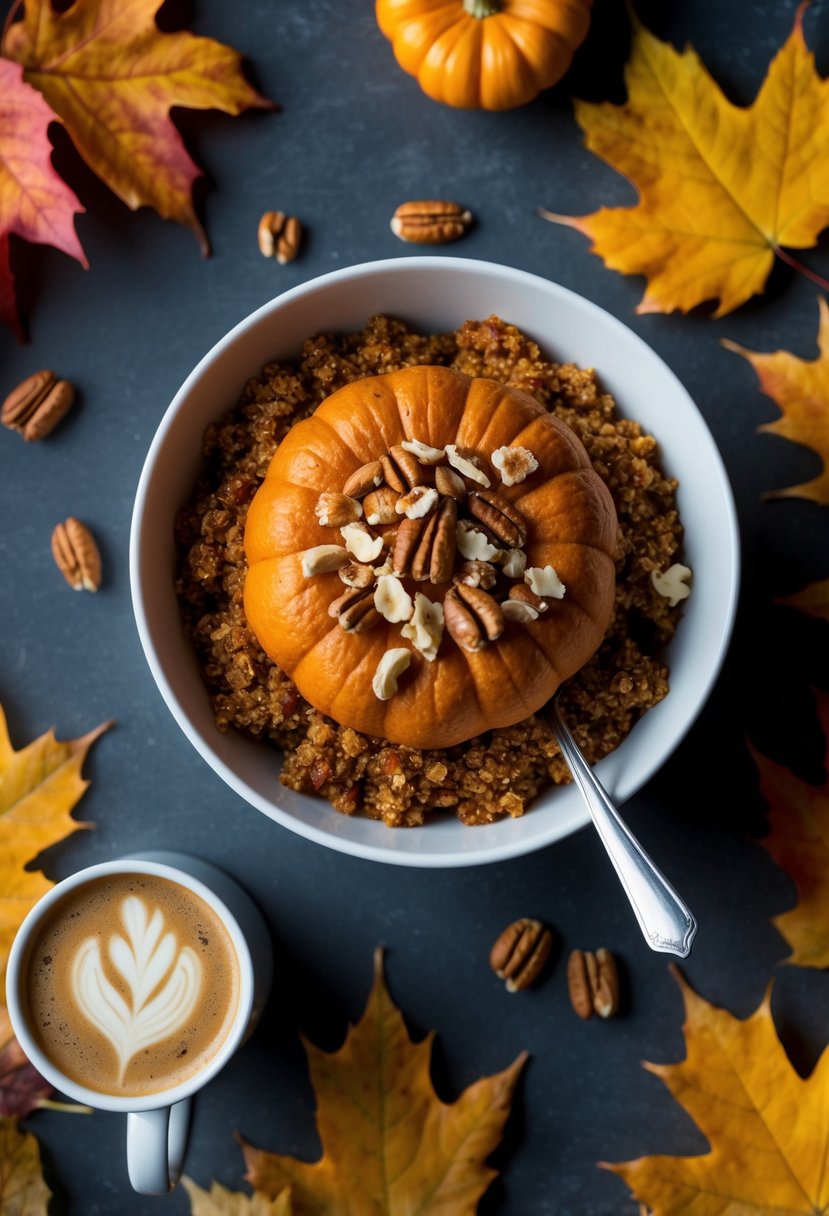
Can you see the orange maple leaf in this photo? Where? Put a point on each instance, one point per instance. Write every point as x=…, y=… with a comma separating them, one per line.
x=389, y=1144
x=813, y=599
x=722, y=188
x=219, y=1201
x=111, y=76
x=23, y=1191
x=35, y=203
x=798, y=840
x=768, y=1127
x=801, y=388
x=39, y=787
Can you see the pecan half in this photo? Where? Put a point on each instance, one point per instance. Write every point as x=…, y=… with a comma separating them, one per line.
x=520, y=953
x=522, y=594
x=37, y=405
x=593, y=983
x=477, y=574
x=279, y=236
x=355, y=610
x=402, y=470
x=450, y=483
x=430, y=222
x=355, y=574
x=473, y=618
x=434, y=557
x=76, y=555
x=499, y=517
x=364, y=479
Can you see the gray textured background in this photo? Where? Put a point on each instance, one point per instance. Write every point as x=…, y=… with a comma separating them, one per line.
x=353, y=139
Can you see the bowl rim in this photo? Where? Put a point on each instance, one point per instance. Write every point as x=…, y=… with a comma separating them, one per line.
x=318, y=835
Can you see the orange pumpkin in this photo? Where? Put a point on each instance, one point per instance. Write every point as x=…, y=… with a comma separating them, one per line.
x=570, y=524
x=484, y=54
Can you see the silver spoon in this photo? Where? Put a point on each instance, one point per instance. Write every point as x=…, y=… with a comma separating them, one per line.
x=665, y=920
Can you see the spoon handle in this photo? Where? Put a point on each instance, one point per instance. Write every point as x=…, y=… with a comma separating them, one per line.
x=663, y=917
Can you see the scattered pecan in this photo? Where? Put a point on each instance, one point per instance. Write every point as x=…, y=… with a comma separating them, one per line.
x=334, y=510
x=430, y=222
x=520, y=953
x=355, y=610
x=593, y=983
x=499, y=517
x=448, y=482
x=402, y=470
x=279, y=236
x=473, y=618
x=417, y=502
x=364, y=479
x=355, y=574
x=76, y=555
x=37, y=405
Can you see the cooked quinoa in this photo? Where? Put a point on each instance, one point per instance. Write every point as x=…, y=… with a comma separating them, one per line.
x=494, y=774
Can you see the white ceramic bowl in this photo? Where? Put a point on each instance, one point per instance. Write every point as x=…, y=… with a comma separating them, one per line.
x=437, y=293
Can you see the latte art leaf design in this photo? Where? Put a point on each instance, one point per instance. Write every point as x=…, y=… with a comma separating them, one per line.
x=163, y=982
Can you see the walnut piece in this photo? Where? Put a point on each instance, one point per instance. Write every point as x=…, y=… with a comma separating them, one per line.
x=425, y=629
x=322, y=559
x=513, y=464
x=673, y=583
x=418, y=502
x=391, y=666
x=423, y=451
x=392, y=600
x=334, y=510
x=543, y=580
x=360, y=543
x=468, y=464
x=473, y=544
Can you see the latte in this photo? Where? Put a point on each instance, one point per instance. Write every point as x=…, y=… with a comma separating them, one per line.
x=131, y=985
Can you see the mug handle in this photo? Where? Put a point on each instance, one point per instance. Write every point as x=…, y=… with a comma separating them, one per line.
x=156, y=1144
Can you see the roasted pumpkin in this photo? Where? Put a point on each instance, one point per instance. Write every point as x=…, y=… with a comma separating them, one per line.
x=558, y=517
x=484, y=54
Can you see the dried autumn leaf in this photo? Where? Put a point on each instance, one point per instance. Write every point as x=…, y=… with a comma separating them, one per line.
x=219, y=1201
x=722, y=188
x=813, y=599
x=22, y=1189
x=767, y=1126
x=34, y=203
x=389, y=1144
x=798, y=840
x=39, y=787
x=22, y=1088
x=801, y=388
x=112, y=76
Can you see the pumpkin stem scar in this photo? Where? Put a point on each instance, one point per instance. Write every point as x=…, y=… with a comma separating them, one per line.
x=480, y=8
x=800, y=267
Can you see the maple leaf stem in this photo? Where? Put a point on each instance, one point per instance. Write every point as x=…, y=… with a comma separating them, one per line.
x=12, y=13
x=69, y=1108
x=800, y=268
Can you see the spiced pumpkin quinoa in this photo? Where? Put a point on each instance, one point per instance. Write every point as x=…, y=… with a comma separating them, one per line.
x=494, y=774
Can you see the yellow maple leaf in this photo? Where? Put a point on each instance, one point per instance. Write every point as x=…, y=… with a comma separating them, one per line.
x=22, y=1189
x=39, y=787
x=111, y=76
x=813, y=599
x=798, y=840
x=722, y=188
x=219, y=1201
x=801, y=388
x=767, y=1126
x=389, y=1144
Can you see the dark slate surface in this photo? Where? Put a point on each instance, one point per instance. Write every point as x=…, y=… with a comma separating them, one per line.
x=354, y=138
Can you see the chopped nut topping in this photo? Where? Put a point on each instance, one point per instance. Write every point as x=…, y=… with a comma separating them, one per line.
x=519, y=611
x=425, y=629
x=392, y=600
x=356, y=575
x=468, y=464
x=543, y=580
x=473, y=544
x=322, y=559
x=334, y=510
x=514, y=464
x=391, y=666
x=450, y=483
x=418, y=503
x=673, y=583
x=364, y=479
x=515, y=563
x=477, y=574
x=360, y=542
x=424, y=453
x=379, y=506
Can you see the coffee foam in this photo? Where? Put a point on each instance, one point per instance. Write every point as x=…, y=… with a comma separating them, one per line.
x=133, y=985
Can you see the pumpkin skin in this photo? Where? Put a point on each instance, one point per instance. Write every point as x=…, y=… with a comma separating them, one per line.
x=484, y=54
x=571, y=523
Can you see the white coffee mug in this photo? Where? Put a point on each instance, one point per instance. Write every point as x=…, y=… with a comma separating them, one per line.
x=157, y=1124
